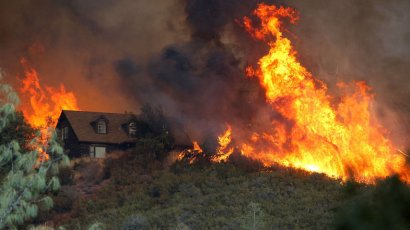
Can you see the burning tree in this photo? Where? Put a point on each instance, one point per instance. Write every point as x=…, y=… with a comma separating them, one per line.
x=26, y=178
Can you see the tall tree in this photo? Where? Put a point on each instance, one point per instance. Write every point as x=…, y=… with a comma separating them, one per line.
x=27, y=178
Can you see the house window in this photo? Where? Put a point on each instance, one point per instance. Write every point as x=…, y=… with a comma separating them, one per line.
x=132, y=129
x=97, y=151
x=64, y=133
x=102, y=127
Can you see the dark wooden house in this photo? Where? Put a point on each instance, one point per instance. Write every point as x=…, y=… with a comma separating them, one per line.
x=95, y=134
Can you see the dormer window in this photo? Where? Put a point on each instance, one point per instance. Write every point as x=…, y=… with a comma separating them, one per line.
x=132, y=128
x=102, y=126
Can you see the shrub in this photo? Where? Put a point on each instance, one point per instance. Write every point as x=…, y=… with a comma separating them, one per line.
x=65, y=199
x=134, y=223
x=244, y=163
x=66, y=175
x=386, y=206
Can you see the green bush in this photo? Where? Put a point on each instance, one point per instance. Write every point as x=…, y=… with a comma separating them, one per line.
x=385, y=206
x=134, y=222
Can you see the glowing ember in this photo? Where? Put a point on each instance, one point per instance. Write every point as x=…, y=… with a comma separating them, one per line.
x=42, y=105
x=340, y=139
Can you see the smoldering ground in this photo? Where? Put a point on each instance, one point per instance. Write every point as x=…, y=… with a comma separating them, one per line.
x=188, y=56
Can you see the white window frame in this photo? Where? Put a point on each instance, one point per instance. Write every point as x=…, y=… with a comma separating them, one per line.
x=93, y=151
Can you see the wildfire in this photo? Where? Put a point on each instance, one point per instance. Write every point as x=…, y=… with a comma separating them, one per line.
x=223, y=151
x=197, y=148
x=44, y=103
x=341, y=139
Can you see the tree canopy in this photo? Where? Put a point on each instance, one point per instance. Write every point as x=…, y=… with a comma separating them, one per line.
x=26, y=179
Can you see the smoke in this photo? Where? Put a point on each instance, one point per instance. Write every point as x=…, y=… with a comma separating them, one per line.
x=200, y=81
x=188, y=56
x=77, y=42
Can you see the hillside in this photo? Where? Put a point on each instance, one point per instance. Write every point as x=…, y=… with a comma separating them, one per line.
x=201, y=196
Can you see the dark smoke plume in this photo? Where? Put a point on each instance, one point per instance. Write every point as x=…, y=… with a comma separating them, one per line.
x=188, y=56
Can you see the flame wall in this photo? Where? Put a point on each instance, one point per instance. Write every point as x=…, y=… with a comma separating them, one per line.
x=189, y=56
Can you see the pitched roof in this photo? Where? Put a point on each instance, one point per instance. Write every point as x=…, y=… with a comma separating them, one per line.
x=81, y=121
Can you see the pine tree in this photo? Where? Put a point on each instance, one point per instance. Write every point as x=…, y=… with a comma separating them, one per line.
x=27, y=179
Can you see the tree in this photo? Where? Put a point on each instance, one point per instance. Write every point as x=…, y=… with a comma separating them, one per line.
x=383, y=206
x=27, y=178
x=154, y=137
x=18, y=129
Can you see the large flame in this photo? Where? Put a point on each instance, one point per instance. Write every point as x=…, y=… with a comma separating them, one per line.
x=45, y=102
x=42, y=105
x=340, y=139
x=224, y=151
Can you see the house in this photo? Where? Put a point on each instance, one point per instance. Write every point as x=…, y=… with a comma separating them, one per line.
x=95, y=134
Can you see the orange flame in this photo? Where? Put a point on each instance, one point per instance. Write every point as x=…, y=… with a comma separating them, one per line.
x=341, y=139
x=223, y=151
x=197, y=148
x=44, y=103
x=191, y=155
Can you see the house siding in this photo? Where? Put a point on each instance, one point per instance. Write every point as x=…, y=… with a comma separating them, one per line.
x=71, y=144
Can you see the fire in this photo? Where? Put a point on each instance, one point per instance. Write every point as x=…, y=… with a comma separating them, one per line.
x=42, y=105
x=197, y=148
x=338, y=138
x=223, y=151
x=46, y=102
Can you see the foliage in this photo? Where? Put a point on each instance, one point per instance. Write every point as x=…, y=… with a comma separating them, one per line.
x=154, y=137
x=385, y=206
x=152, y=121
x=134, y=222
x=154, y=148
x=213, y=196
x=18, y=129
x=27, y=180
x=96, y=226
x=255, y=217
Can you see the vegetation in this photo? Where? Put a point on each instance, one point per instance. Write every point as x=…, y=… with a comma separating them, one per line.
x=17, y=129
x=207, y=196
x=384, y=206
x=154, y=137
x=26, y=181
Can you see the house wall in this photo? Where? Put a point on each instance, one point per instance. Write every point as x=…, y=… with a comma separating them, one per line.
x=85, y=148
x=71, y=145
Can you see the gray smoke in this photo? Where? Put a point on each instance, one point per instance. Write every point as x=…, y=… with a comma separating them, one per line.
x=188, y=56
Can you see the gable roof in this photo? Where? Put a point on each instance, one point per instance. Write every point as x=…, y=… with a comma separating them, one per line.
x=80, y=122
